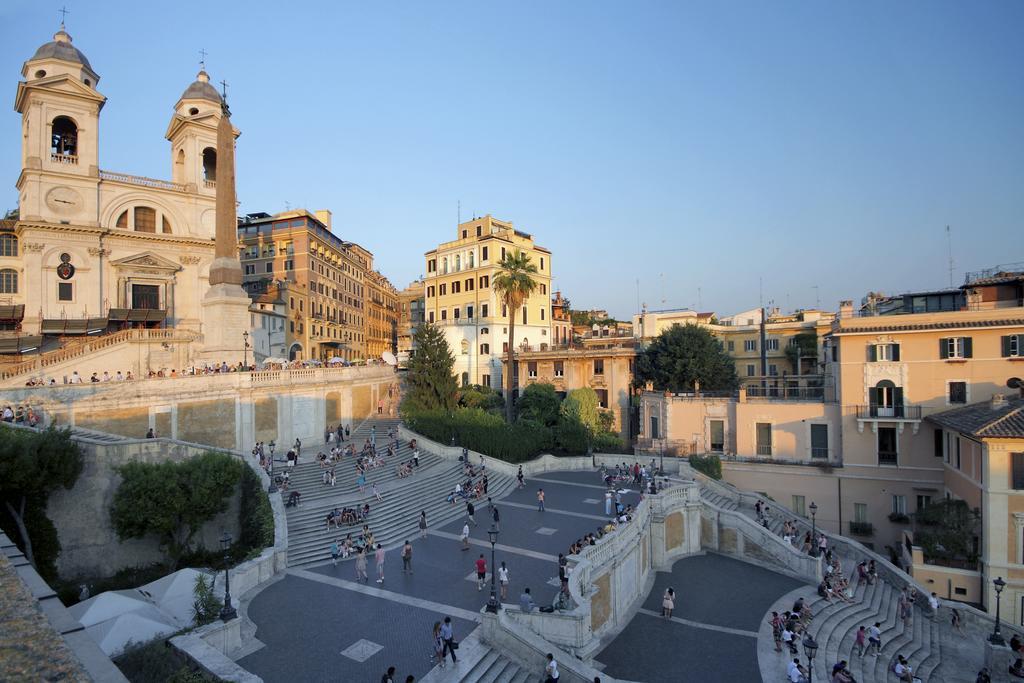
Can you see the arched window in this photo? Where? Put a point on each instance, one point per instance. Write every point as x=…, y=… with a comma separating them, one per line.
x=179, y=161
x=8, y=281
x=484, y=330
x=485, y=349
x=458, y=263
x=8, y=244
x=145, y=219
x=469, y=262
x=210, y=164
x=122, y=221
x=64, y=141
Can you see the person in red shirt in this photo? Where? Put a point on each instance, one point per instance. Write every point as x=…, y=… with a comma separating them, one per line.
x=481, y=572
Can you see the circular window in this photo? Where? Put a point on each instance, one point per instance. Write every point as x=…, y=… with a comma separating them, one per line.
x=40, y=74
x=193, y=111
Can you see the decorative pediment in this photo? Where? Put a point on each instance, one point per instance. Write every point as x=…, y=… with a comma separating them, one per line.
x=63, y=83
x=147, y=261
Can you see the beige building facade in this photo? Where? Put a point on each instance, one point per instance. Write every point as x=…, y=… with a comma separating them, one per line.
x=94, y=250
x=459, y=297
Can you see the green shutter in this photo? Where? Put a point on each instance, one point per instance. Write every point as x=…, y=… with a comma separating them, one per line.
x=1005, y=345
x=968, y=347
x=872, y=353
x=943, y=348
x=895, y=352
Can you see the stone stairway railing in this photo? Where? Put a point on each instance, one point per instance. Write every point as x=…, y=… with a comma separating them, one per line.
x=929, y=644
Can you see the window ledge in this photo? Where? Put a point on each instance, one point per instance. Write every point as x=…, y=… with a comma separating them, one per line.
x=956, y=360
x=1015, y=359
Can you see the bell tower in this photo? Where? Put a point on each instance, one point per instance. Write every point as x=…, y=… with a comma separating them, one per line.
x=60, y=113
x=192, y=133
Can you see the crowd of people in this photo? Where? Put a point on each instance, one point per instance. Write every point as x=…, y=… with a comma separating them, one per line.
x=21, y=414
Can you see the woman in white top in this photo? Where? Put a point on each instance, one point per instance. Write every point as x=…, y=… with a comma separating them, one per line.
x=503, y=580
x=551, y=669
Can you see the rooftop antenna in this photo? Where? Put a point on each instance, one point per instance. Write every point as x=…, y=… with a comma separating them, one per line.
x=662, y=276
x=760, y=290
x=700, y=303
x=287, y=206
x=64, y=12
x=202, y=58
x=817, y=299
x=949, y=247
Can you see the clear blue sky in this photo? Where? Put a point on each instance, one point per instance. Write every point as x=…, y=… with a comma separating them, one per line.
x=686, y=145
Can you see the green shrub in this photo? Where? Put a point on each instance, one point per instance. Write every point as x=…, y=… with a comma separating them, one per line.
x=206, y=605
x=255, y=516
x=610, y=443
x=572, y=437
x=155, y=661
x=482, y=432
x=711, y=465
x=539, y=403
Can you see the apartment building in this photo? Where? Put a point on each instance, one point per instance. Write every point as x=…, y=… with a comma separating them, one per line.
x=561, y=321
x=460, y=298
x=867, y=456
x=381, y=316
x=327, y=304
x=411, y=306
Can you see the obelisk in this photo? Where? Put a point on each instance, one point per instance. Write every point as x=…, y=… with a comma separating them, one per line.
x=225, y=304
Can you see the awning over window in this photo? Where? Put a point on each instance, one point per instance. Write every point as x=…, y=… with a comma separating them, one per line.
x=16, y=312
x=20, y=344
x=137, y=315
x=71, y=326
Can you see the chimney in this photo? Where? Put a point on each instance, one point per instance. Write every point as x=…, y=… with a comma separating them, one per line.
x=998, y=401
x=846, y=308
x=324, y=216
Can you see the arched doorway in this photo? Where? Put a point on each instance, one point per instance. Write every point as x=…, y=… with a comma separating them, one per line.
x=886, y=399
x=295, y=352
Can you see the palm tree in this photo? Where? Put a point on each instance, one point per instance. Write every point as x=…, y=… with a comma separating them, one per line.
x=514, y=284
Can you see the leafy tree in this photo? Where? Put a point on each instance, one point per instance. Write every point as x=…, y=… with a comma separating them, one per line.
x=430, y=380
x=173, y=499
x=484, y=398
x=32, y=465
x=945, y=529
x=581, y=406
x=514, y=283
x=807, y=344
x=539, y=403
x=683, y=355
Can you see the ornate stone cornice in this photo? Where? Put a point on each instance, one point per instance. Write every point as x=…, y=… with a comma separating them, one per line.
x=188, y=260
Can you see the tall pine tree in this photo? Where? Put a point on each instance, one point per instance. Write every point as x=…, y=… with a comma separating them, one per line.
x=430, y=382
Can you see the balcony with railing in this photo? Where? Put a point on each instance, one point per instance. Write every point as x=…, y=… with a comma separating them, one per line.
x=210, y=184
x=141, y=181
x=67, y=159
x=786, y=393
x=764, y=449
x=898, y=414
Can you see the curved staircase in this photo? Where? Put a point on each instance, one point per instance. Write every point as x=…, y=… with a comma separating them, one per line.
x=933, y=650
x=392, y=520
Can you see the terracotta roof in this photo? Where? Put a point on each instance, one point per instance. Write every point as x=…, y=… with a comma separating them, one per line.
x=985, y=421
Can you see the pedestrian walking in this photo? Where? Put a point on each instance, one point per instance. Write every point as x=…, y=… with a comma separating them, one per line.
x=858, y=641
x=376, y=493
x=776, y=623
x=608, y=503
x=874, y=639
x=503, y=580
x=361, y=566
x=481, y=572
x=540, y=500
x=470, y=511
x=423, y=523
x=389, y=676
x=497, y=519
x=668, y=603
x=379, y=556
x=465, y=536
x=335, y=551
x=519, y=478
x=448, y=636
x=438, y=644
x=551, y=669
x=407, y=558
x=485, y=483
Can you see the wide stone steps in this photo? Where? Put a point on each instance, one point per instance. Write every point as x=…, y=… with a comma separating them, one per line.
x=494, y=668
x=835, y=625
x=392, y=520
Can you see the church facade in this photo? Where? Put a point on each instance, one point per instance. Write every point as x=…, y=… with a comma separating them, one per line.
x=94, y=250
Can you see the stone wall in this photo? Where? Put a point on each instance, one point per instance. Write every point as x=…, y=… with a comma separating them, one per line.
x=89, y=546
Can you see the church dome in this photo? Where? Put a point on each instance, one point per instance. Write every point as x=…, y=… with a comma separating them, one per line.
x=201, y=89
x=61, y=48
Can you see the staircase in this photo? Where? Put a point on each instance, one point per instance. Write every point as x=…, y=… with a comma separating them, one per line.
x=393, y=520
x=494, y=668
x=924, y=643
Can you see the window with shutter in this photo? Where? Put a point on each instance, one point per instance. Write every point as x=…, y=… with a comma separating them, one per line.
x=1017, y=462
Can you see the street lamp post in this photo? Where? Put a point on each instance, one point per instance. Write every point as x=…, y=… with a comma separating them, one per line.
x=814, y=530
x=245, y=349
x=492, y=603
x=273, y=486
x=810, y=649
x=997, y=637
x=227, y=612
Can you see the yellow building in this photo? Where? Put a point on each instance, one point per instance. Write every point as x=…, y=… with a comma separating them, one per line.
x=459, y=296
x=410, y=314
x=854, y=440
x=299, y=247
x=381, y=316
